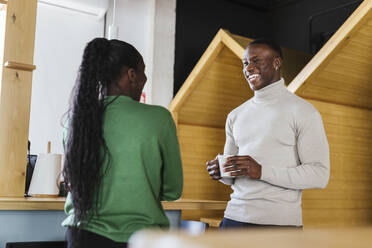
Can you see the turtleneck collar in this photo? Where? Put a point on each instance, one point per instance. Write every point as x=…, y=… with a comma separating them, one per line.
x=270, y=92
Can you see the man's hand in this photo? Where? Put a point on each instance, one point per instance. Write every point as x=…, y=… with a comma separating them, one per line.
x=243, y=166
x=214, y=169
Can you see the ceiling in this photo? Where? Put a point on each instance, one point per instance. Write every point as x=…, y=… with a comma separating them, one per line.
x=264, y=5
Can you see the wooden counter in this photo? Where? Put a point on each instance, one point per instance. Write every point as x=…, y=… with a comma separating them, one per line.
x=34, y=203
x=268, y=238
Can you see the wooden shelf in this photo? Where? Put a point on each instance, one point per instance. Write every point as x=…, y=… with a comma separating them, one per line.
x=35, y=203
x=32, y=203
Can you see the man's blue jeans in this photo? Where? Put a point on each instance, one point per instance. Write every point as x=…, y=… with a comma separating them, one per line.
x=228, y=223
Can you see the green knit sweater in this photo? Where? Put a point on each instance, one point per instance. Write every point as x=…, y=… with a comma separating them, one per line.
x=145, y=169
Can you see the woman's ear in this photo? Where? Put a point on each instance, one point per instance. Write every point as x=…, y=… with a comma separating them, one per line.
x=132, y=75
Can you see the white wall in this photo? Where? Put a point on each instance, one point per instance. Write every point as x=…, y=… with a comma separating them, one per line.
x=149, y=25
x=134, y=19
x=163, y=52
x=61, y=36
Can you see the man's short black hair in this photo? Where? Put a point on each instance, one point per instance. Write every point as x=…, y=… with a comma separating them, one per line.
x=270, y=43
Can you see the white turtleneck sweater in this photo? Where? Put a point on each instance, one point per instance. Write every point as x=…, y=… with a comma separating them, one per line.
x=285, y=135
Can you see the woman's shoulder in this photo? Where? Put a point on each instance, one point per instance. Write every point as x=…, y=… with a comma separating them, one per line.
x=156, y=110
x=153, y=115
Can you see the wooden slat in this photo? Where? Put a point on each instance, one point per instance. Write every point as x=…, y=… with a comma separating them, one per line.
x=19, y=66
x=15, y=96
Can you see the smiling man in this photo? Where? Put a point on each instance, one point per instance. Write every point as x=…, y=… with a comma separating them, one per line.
x=279, y=147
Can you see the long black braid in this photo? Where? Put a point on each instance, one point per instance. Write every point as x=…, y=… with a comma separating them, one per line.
x=102, y=65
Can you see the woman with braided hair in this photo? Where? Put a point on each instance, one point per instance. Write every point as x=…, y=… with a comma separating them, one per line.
x=121, y=157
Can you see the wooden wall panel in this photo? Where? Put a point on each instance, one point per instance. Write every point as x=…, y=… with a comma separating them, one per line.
x=347, y=200
x=199, y=145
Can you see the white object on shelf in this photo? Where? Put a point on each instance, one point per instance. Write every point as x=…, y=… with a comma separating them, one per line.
x=45, y=177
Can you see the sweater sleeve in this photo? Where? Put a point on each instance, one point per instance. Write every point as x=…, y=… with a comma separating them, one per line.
x=230, y=147
x=313, y=153
x=172, y=166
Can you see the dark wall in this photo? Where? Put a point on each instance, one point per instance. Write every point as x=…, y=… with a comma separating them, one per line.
x=197, y=22
x=290, y=24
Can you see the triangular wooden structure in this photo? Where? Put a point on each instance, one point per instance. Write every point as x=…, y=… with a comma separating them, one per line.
x=215, y=87
x=337, y=81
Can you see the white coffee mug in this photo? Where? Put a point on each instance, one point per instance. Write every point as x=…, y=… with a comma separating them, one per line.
x=221, y=161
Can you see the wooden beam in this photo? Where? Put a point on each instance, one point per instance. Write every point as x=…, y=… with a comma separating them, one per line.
x=15, y=98
x=3, y=1
x=230, y=42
